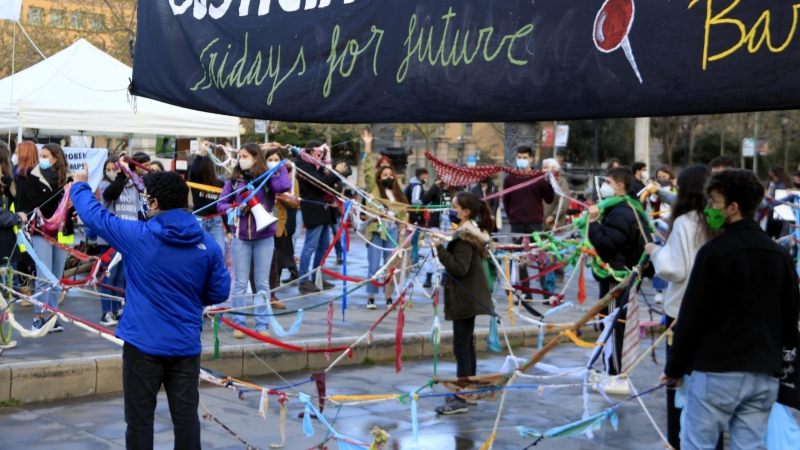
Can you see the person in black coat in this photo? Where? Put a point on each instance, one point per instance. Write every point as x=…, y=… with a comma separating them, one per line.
x=317, y=213
x=617, y=238
x=639, y=170
x=736, y=331
x=8, y=219
x=44, y=188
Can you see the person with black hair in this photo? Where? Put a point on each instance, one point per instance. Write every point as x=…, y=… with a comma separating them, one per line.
x=525, y=206
x=44, y=189
x=619, y=237
x=721, y=162
x=119, y=195
x=414, y=192
x=639, y=170
x=778, y=180
x=156, y=166
x=252, y=248
x=174, y=270
x=143, y=159
x=316, y=214
x=613, y=163
x=466, y=288
x=673, y=261
x=203, y=171
x=737, y=325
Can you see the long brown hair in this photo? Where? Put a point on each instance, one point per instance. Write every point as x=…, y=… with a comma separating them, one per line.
x=260, y=165
x=396, y=191
x=478, y=210
x=61, y=162
x=692, y=197
x=28, y=156
x=780, y=174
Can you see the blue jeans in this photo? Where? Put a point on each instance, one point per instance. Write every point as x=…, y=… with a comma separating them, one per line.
x=740, y=400
x=337, y=247
x=260, y=251
x=298, y=228
x=54, y=259
x=115, y=278
x=317, y=242
x=214, y=228
x=376, y=258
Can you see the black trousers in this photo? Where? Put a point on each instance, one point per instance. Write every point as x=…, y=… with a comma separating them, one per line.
x=142, y=377
x=619, y=327
x=526, y=228
x=464, y=347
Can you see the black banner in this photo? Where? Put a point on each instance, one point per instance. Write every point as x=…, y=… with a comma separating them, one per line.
x=355, y=61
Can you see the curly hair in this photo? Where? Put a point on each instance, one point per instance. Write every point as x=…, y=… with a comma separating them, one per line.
x=740, y=186
x=168, y=188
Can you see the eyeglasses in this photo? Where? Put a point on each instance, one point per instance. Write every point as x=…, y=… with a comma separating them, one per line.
x=711, y=202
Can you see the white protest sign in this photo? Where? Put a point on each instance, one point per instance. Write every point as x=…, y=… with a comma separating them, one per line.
x=95, y=158
x=562, y=135
x=194, y=146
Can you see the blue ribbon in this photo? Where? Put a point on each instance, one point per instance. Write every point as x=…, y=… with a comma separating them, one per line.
x=347, y=206
x=494, y=341
x=265, y=176
x=276, y=326
x=40, y=266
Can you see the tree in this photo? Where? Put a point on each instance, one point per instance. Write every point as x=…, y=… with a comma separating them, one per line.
x=109, y=25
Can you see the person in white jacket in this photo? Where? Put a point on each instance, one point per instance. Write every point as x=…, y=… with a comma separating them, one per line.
x=674, y=260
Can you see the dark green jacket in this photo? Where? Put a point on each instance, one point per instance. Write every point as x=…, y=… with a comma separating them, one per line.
x=465, y=284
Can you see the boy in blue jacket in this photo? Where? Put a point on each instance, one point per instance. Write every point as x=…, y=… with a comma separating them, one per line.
x=172, y=269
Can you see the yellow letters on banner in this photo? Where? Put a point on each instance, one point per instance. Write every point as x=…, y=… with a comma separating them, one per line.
x=752, y=37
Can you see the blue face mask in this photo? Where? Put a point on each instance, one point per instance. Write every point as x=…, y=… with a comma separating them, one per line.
x=523, y=164
x=453, y=216
x=45, y=164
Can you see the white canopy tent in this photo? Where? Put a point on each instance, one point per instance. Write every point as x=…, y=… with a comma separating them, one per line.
x=82, y=90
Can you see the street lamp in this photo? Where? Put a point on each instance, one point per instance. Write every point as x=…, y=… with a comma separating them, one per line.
x=784, y=122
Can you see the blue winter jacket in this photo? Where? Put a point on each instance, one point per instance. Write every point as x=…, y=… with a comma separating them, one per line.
x=172, y=268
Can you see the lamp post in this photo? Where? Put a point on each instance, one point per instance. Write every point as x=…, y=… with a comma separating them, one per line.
x=784, y=122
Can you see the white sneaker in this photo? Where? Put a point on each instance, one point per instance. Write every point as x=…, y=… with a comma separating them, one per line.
x=109, y=319
x=659, y=298
x=371, y=304
x=611, y=385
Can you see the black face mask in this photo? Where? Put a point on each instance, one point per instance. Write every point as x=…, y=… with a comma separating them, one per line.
x=387, y=182
x=423, y=181
x=486, y=181
x=664, y=183
x=796, y=185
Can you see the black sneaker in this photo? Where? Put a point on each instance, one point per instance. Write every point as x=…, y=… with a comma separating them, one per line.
x=38, y=323
x=388, y=303
x=57, y=327
x=339, y=260
x=307, y=287
x=371, y=303
x=428, y=281
x=326, y=285
x=453, y=405
x=109, y=319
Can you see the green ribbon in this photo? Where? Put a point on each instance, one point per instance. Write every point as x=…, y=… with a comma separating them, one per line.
x=216, y=337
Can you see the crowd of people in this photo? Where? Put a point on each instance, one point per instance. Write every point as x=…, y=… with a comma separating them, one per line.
x=729, y=291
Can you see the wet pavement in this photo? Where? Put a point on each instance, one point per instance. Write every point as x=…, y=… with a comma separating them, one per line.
x=98, y=422
x=74, y=342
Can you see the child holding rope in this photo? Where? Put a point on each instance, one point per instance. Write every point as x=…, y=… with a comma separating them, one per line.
x=466, y=288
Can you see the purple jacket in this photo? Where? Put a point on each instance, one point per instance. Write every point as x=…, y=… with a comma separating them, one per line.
x=279, y=182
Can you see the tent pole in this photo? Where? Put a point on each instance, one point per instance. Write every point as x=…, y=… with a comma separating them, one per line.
x=238, y=142
x=19, y=135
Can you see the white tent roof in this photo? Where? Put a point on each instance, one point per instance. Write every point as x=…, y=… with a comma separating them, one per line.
x=81, y=88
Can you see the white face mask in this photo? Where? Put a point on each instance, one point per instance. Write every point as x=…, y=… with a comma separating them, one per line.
x=111, y=174
x=271, y=164
x=606, y=191
x=14, y=160
x=645, y=175
x=246, y=164
x=523, y=163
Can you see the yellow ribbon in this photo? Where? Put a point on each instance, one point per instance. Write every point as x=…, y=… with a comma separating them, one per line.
x=574, y=338
x=204, y=187
x=488, y=444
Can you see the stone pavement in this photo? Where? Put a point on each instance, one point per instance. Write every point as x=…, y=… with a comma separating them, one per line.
x=98, y=422
x=76, y=343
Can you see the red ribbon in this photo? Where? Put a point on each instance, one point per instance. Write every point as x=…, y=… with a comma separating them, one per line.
x=398, y=344
x=358, y=280
x=283, y=345
x=538, y=291
x=544, y=272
